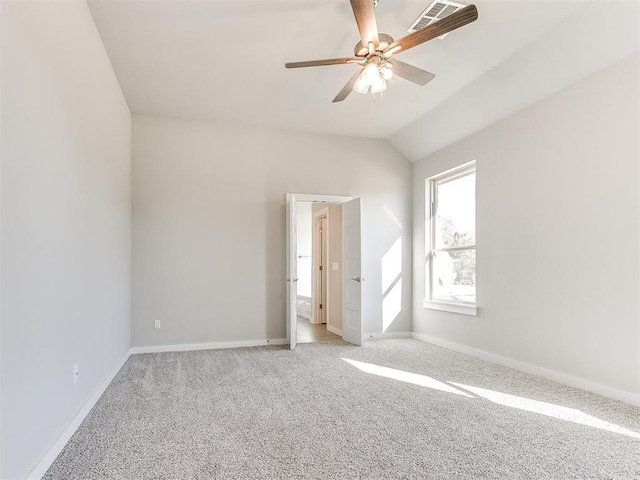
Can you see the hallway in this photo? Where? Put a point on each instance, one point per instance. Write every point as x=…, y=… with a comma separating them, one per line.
x=314, y=333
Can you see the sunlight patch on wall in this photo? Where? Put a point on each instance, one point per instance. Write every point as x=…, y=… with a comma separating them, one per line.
x=391, y=265
x=391, y=275
x=407, y=377
x=548, y=409
x=391, y=305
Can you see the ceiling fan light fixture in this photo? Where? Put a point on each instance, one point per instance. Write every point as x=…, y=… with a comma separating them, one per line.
x=378, y=85
x=361, y=85
x=366, y=78
x=385, y=70
x=371, y=72
x=372, y=76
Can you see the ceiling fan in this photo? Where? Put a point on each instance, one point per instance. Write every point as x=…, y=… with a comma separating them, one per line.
x=374, y=51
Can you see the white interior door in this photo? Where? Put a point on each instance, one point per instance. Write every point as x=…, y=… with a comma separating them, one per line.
x=352, y=280
x=292, y=270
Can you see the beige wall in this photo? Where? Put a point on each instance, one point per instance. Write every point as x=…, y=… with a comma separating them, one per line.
x=334, y=318
x=557, y=233
x=209, y=224
x=66, y=223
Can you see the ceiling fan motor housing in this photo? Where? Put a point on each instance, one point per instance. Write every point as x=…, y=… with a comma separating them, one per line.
x=361, y=50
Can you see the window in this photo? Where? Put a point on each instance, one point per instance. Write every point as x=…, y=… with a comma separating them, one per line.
x=451, y=240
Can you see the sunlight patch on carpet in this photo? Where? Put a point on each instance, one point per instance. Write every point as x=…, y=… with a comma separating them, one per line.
x=403, y=376
x=548, y=409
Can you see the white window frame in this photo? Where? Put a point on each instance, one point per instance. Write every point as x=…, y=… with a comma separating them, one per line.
x=465, y=308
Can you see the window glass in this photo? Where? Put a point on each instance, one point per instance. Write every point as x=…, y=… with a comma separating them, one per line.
x=456, y=212
x=451, y=262
x=454, y=275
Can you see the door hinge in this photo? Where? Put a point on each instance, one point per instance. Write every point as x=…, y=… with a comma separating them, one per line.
x=320, y=267
x=320, y=306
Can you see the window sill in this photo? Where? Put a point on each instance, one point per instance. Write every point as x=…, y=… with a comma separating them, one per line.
x=451, y=307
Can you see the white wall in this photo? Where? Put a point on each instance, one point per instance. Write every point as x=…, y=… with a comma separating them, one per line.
x=558, y=233
x=1, y=424
x=305, y=242
x=208, y=224
x=66, y=215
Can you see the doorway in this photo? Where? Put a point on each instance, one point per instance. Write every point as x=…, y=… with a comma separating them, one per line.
x=334, y=265
x=319, y=232
x=318, y=288
x=308, y=332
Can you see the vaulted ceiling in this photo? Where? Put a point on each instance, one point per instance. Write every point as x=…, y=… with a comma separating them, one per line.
x=224, y=60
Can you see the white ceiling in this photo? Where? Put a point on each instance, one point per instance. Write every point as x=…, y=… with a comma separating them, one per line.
x=590, y=40
x=224, y=60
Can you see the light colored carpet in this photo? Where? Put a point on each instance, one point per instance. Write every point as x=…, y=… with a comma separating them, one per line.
x=329, y=411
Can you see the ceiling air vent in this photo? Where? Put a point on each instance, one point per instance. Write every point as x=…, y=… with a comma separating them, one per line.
x=434, y=12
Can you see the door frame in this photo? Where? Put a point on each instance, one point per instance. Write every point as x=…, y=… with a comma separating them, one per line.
x=291, y=249
x=317, y=252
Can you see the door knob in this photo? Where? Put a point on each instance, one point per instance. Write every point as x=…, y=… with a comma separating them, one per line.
x=357, y=279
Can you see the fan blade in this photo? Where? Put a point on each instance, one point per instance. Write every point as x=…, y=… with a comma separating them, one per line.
x=319, y=63
x=411, y=73
x=458, y=19
x=365, y=14
x=348, y=88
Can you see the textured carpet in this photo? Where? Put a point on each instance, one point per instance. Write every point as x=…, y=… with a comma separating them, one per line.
x=329, y=411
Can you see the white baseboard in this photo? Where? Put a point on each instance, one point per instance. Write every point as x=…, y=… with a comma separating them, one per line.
x=570, y=380
x=380, y=336
x=41, y=467
x=208, y=346
x=333, y=329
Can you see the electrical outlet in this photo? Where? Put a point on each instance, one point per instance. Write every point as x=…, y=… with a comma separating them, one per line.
x=156, y=324
x=76, y=373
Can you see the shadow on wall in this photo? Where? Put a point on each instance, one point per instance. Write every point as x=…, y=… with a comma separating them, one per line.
x=391, y=275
